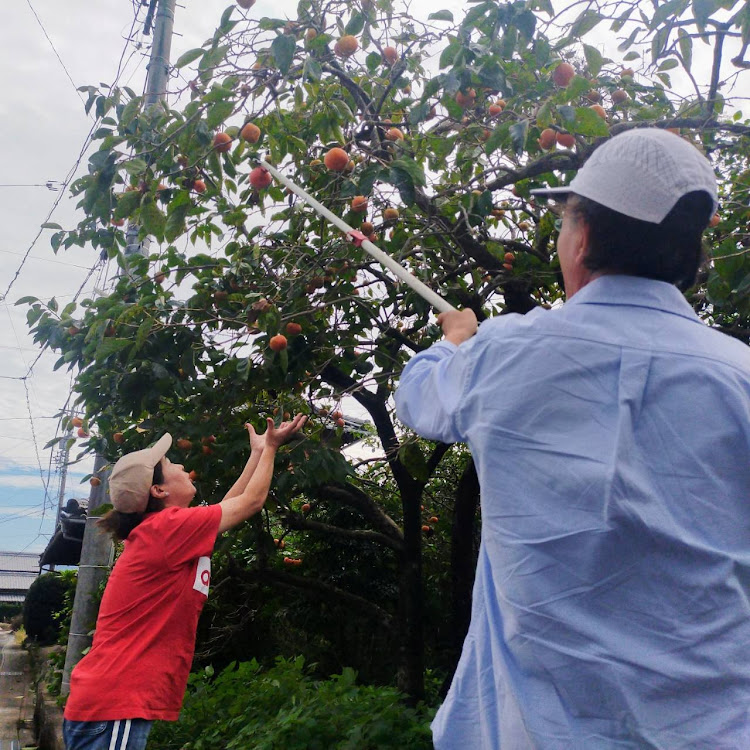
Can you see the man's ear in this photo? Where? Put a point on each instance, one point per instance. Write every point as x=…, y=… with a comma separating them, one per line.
x=583, y=242
x=158, y=491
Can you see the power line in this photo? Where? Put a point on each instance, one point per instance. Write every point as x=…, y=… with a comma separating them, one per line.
x=36, y=448
x=50, y=185
x=59, y=59
x=73, y=169
x=47, y=260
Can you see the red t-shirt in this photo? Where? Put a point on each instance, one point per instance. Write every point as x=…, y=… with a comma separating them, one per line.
x=144, y=642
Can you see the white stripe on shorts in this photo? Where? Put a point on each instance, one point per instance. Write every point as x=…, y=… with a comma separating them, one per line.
x=115, y=732
x=114, y=744
x=125, y=735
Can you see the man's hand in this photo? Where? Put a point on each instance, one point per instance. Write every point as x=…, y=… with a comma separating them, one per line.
x=277, y=436
x=458, y=325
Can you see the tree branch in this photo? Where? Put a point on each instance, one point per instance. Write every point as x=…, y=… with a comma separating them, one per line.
x=315, y=589
x=362, y=502
x=298, y=522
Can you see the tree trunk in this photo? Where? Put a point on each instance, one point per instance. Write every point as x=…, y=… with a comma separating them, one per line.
x=411, y=601
x=463, y=560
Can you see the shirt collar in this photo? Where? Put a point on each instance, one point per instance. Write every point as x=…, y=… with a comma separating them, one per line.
x=634, y=291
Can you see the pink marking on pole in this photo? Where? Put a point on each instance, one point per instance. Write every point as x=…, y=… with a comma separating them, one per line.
x=356, y=237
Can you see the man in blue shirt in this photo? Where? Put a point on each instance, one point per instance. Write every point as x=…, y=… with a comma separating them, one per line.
x=611, y=435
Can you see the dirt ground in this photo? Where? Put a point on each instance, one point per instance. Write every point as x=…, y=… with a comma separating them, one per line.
x=16, y=697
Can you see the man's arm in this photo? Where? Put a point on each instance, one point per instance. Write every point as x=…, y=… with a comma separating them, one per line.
x=432, y=382
x=239, y=508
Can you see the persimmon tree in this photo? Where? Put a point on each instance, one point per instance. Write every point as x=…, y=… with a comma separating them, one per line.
x=427, y=134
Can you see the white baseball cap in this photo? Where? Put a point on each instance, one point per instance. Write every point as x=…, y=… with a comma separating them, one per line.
x=642, y=173
x=132, y=477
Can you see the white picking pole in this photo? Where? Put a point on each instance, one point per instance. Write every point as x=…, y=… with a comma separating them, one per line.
x=422, y=289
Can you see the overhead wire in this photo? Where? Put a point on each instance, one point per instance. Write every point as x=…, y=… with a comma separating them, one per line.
x=98, y=264
x=59, y=59
x=74, y=168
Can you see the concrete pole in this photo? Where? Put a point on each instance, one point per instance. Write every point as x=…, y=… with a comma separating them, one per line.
x=158, y=66
x=156, y=90
x=96, y=560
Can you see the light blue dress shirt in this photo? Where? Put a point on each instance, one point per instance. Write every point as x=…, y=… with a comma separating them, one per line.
x=611, y=604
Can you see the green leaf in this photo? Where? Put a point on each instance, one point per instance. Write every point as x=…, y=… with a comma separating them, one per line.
x=448, y=55
x=663, y=12
x=702, y=10
x=373, y=61
x=282, y=49
x=659, y=42
x=404, y=183
x=109, y=346
x=135, y=166
x=631, y=56
x=50, y=225
x=144, y=329
x=492, y=75
x=587, y=122
x=356, y=23
x=576, y=88
x=127, y=203
x=412, y=168
x=441, y=15
x=686, y=47
x=212, y=58
x=622, y=19
x=544, y=115
x=546, y=7
x=622, y=46
x=497, y=138
x=594, y=59
x=153, y=220
x=585, y=22
x=226, y=24
x=175, y=224
x=525, y=21
x=414, y=461
x=188, y=57
x=418, y=113
x=26, y=300
x=669, y=64
x=312, y=70
x=518, y=133
x=129, y=112
x=218, y=113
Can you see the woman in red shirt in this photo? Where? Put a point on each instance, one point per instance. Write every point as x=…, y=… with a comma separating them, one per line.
x=143, y=647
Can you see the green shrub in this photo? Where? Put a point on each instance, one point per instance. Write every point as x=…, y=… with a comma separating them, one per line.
x=9, y=610
x=44, y=600
x=244, y=708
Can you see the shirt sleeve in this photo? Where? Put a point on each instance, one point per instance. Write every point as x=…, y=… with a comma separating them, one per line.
x=429, y=393
x=189, y=533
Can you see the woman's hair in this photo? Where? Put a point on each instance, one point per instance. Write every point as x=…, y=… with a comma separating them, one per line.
x=119, y=525
x=670, y=251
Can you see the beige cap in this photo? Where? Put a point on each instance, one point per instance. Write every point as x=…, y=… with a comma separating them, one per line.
x=133, y=475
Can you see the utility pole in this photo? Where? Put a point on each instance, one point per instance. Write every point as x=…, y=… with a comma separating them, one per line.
x=61, y=458
x=156, y=90
x=97, y=549
x=96, y=559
